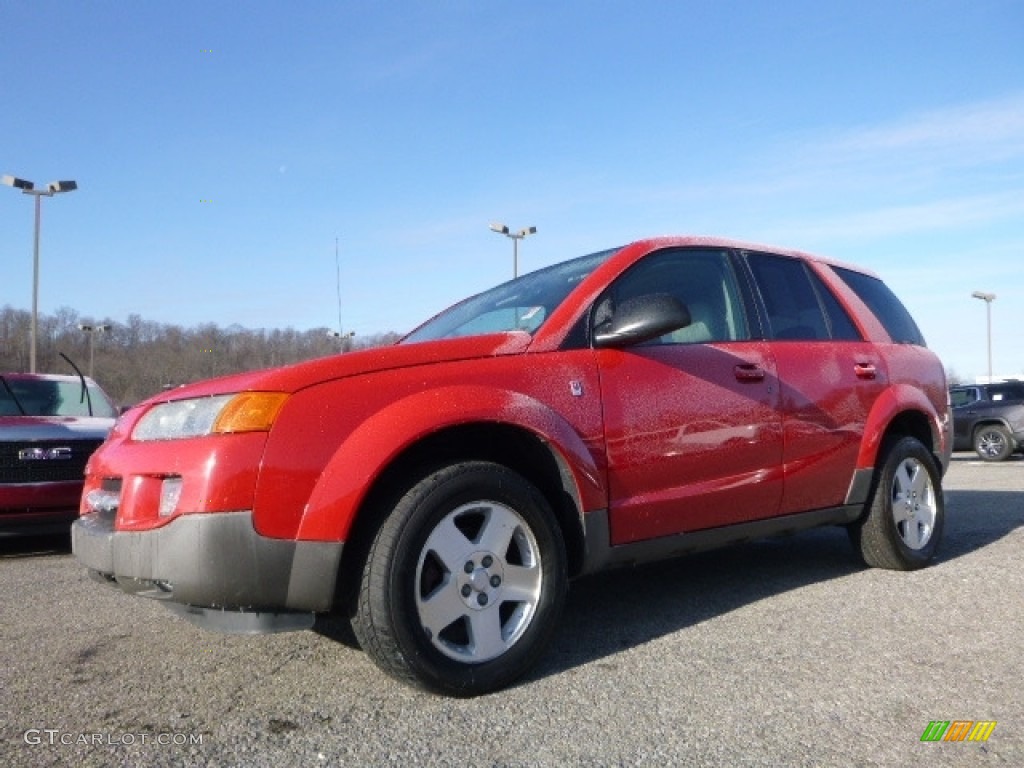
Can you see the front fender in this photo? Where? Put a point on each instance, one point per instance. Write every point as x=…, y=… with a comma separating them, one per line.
x=381, y=438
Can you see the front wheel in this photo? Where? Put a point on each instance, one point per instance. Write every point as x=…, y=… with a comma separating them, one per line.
x=905, y=516
x=464, y=581
x=993, y=442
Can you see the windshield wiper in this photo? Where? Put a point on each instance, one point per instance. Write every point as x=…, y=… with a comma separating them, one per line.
x=85, y=389
x=14, y=397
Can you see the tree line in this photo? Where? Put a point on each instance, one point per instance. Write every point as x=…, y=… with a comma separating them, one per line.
x=139, y=358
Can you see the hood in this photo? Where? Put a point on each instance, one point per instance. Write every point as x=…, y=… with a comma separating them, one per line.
x=292, y=378
x=21, y=428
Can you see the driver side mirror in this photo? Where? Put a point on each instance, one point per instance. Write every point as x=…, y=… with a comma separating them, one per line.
x=641, y=319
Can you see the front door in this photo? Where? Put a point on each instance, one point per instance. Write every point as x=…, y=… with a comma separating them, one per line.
x=693, y=434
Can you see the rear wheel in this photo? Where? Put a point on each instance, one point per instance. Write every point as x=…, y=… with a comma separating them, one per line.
x=993, y=442
x=905, y=516
x=464, y=581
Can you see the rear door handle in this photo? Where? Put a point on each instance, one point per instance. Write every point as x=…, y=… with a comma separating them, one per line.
x=865, y=370
x=749, y=372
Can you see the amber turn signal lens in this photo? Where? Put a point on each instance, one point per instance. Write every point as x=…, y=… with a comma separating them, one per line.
x=250, y=412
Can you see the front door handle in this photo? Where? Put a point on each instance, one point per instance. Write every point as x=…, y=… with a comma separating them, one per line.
x=748, y=372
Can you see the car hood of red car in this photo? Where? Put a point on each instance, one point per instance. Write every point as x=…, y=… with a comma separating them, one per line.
x=21, y=428
x=292, y=378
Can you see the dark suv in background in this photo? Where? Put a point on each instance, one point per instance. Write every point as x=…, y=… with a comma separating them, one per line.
x=989, y=419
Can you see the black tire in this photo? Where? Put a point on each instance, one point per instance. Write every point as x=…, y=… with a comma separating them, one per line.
x=464, y=582
x=903, y=524
x=993, y=442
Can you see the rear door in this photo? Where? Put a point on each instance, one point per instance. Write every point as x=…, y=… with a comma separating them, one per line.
x=829, y=379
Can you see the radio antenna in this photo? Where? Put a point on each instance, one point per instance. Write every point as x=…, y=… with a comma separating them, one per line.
x=337, y=270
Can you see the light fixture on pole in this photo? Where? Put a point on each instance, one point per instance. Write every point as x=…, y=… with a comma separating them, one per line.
x=343, y=337
x=28, y=188
x=988, y=298
x=501, y=229
x=92, y=330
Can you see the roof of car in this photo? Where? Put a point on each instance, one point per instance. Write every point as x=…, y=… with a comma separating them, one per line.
x=42, y=377
x=742, y=245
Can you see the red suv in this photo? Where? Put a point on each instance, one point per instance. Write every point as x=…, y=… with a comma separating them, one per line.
x=642, y=402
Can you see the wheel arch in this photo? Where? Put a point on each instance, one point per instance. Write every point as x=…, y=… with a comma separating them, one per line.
x=510, y=446
x=390, y=451
x=898, y=412
x=990, y=421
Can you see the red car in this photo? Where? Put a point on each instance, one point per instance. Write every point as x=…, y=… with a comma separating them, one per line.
x=668, y=396
x=49, y=426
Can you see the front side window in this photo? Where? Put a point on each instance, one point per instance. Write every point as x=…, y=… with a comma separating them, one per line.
x=703, y=280
x=958, y=398
x=520, y=305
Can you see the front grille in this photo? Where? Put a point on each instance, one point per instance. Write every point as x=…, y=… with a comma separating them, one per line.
x=17, y=470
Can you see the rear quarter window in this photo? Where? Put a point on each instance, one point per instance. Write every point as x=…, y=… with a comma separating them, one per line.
x=1007, y=392
x=883, y=303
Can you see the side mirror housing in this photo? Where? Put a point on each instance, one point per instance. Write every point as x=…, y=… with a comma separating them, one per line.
x=641, y=319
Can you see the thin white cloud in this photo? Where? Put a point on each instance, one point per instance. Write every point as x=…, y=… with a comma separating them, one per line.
x=941, y=171
x=998, y=123
x=931, y=216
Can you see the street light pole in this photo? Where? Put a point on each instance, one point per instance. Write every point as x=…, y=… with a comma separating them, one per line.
x=28, y=188
x=988, y=298
x=92, y=330
x=501, y=229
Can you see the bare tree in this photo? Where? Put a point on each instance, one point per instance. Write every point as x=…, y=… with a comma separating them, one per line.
x=139, y=358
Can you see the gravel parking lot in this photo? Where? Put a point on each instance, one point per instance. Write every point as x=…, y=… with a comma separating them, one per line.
x=777, y=652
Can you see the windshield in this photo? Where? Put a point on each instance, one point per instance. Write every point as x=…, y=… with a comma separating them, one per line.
x=52, y=397
x=520, y=305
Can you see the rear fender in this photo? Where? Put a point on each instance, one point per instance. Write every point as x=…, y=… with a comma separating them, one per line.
x=893, y=402
x=380, y=439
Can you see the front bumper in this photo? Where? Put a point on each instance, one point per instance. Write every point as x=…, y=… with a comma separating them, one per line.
x=39, y=507
x=226, y=575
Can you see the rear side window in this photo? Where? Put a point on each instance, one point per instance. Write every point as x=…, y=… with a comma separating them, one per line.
x=1006, y=392
x=883, y=303
x=798, y=304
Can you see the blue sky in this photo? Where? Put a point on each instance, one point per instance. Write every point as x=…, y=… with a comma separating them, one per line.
x=221, y=147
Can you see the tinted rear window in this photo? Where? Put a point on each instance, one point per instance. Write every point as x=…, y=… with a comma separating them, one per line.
x=1006, y=392
x=889, y=310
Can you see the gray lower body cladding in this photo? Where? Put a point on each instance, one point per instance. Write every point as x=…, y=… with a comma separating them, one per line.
x=214, y=561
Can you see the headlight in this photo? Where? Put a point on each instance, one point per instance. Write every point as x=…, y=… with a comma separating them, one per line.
x=242, y=412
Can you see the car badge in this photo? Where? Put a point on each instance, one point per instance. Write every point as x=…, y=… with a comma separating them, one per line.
x=45, y=454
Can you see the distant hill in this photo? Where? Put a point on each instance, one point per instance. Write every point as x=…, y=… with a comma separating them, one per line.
x=139, y=358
